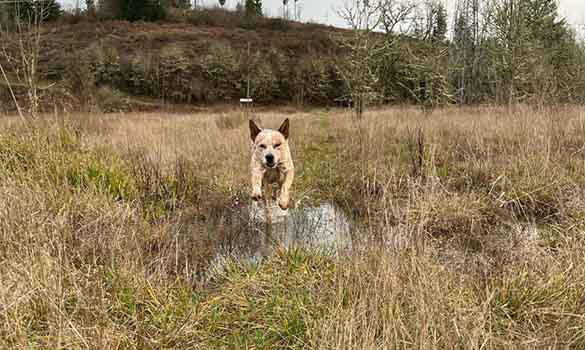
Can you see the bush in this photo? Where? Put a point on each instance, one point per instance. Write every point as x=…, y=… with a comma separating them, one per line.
x=132, y=10
x=142, y=10
x=215, y=17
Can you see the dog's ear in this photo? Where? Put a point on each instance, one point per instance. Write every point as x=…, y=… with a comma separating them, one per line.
x=254, y=130
x=284, y=129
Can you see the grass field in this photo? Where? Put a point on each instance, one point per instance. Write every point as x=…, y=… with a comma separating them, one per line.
x=108, y=224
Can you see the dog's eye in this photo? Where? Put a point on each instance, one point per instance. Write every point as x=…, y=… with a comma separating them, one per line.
x=277, y=145
x=262, y=146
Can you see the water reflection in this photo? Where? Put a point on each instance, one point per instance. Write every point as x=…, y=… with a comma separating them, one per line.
x=258, y=229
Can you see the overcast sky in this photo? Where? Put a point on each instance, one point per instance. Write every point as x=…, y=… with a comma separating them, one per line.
x=323, y=11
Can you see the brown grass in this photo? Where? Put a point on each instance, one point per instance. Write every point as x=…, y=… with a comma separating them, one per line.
x=108, y=225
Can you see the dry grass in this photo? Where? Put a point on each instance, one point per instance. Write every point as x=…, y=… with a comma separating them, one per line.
x=468, y=235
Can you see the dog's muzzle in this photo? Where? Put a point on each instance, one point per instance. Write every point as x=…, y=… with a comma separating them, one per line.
x=270, y=163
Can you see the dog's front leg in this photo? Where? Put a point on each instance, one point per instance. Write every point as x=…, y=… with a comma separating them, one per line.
x=257, y=175
x=284, y=197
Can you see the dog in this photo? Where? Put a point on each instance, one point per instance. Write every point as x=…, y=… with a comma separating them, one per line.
x=271, y=162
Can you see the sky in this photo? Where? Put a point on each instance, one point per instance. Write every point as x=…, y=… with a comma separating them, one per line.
x=324, y=11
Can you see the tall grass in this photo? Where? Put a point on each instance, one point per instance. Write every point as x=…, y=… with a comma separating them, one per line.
x=468, y=232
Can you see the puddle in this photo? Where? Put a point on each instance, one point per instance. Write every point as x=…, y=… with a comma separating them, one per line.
x=258, y=230
x=248, y=234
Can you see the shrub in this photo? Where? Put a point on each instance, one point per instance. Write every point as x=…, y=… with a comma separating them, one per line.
x=132, y=10
x=141, y=10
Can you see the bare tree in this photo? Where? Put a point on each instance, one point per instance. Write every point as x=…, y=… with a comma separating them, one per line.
x=511, y=50
x=468, y=49
x=22, y=51
x=365, y=48
x=285, y=9
x=430, y=20
x=396, y=16
x=90, y=8
x=428, y=78
x=361, y=15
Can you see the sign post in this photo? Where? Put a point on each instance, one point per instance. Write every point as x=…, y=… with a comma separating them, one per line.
x=246, y=103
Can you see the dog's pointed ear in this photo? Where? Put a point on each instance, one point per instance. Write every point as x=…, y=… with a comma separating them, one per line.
x=254, y=130
x=284, y=129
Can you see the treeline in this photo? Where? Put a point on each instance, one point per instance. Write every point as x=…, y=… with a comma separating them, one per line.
x=496, y=51
x=129, y=10
x=514, y=51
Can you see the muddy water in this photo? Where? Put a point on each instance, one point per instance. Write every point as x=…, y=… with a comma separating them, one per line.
x=262, y=229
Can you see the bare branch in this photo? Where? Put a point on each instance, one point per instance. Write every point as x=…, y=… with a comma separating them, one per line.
x=395, y=14
x=361, y=14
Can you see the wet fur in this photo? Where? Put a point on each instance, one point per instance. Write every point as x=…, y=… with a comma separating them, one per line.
x=267, y=143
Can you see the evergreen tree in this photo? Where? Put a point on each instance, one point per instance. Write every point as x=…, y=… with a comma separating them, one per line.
x=253, y=7
x=543, y=20
x=440, y=25
x=90, y=6
x=258, y=6
x=141, y=10
x=461, y=31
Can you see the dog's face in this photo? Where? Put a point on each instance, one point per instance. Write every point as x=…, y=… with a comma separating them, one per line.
x=270, y=146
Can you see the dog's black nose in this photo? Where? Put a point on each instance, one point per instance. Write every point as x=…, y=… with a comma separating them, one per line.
x=269, y=158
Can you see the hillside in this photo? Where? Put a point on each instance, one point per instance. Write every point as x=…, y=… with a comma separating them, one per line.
x=118, y=65
x=132, y=38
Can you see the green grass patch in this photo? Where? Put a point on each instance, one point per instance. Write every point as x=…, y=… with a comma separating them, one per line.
x=271, y=305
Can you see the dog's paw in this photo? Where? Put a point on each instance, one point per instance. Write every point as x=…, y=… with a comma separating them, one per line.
x=283, y=203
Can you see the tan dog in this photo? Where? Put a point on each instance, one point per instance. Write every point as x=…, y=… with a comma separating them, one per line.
x=271, y=161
